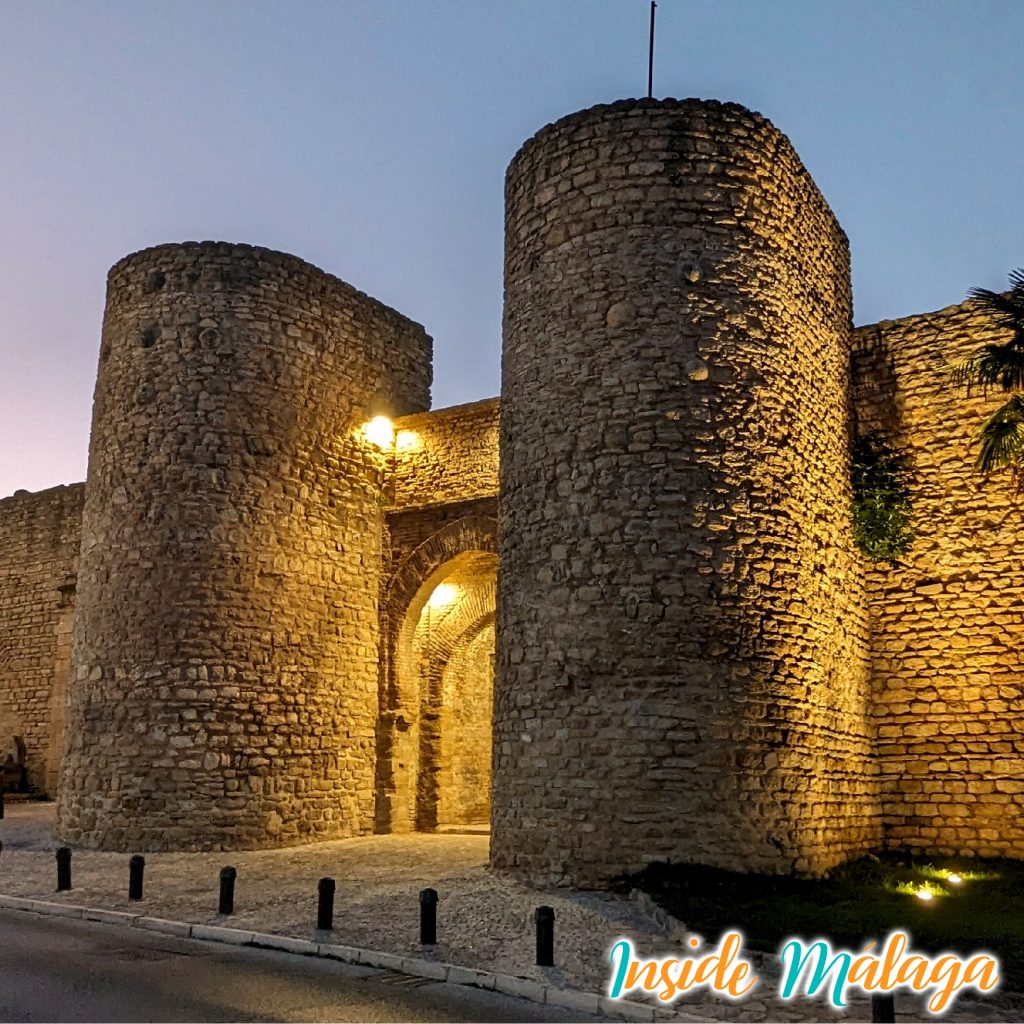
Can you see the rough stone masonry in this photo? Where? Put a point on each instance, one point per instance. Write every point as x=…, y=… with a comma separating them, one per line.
x=261, y=623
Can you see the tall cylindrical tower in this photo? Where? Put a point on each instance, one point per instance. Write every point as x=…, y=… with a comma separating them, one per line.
x=681, y=667
x=225, y=643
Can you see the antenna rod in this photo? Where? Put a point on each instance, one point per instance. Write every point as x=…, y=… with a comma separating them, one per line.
x=650, y=57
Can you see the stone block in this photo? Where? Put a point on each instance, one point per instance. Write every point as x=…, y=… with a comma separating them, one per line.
x=213, y=933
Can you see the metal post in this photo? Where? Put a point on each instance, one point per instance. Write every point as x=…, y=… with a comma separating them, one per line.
x=1, y=803
x=428, y=917
x=650, y=56
x=544, y=918
x=883, y=1008
x=136, y=866
x=226, y=905
x=63, y=869
x=325, y=904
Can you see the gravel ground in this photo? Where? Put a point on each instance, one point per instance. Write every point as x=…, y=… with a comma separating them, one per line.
x=484, y=921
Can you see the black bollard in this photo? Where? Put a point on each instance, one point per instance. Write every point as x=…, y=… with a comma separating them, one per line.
x=325, y=904
x=227, y=891
x=63, y=869
x=428, y=917
x=135, y=868
x=544, y=919
x=883, y=1008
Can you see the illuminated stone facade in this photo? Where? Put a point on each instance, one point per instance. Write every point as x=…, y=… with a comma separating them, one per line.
x=947, y=640
x=675, y=398
x=285, y=631
x=226, y=631
x=39, y=540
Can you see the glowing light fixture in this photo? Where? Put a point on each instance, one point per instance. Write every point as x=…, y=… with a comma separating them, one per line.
x=380, y=431
x=407, y=440
x=924, y=894
x=443, y=595
x=954, y=878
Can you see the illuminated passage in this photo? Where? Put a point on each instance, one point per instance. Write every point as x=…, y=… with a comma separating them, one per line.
x=444, y=671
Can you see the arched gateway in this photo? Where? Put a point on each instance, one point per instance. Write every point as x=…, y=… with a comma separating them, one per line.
x=288, y=625
x=437, y=681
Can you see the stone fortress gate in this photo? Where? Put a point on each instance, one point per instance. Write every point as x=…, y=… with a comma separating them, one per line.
x=618, y=615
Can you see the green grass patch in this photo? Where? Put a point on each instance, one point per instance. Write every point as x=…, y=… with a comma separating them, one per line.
x=858, y=902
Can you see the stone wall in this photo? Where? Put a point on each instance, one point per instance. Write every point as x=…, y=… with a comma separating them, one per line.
x=446, y=456
x=948, y=622
x=468, y=727
x=437, y=543
x=682, y=628
x=442, y=511
x=226, y=644
x=681, y=640
x=39, y=537
x=450, y=652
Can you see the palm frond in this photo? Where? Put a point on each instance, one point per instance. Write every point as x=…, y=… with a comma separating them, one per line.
x=1006, y=308
x=1002, y=438
x=992, y=365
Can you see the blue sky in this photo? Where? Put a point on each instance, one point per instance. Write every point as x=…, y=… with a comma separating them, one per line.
x=371, y=138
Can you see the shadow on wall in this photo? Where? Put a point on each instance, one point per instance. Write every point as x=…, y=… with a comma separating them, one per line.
x=13, y=775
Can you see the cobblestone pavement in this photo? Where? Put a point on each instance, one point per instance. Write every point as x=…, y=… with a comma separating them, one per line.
x=484, y=921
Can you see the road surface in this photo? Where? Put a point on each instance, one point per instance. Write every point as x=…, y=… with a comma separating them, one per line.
x=55, y=969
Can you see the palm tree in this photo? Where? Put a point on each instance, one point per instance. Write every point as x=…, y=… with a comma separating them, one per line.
x=1002, y=366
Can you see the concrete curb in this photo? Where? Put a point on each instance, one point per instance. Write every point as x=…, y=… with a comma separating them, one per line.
x=450, y=974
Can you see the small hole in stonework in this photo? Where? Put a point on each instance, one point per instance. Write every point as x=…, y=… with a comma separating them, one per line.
x=156, y=280
x=104, y=353
x=149, y=336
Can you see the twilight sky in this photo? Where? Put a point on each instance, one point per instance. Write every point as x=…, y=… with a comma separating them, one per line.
x=370, y=137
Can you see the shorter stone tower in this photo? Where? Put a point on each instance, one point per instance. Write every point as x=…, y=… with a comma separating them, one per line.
x=681, y=637
x=225, y=645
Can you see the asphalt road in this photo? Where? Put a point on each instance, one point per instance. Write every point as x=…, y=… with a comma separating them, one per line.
x=55, y=969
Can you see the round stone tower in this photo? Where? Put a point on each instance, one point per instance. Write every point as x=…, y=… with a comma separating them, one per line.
x=681, y=664
x=225, y=643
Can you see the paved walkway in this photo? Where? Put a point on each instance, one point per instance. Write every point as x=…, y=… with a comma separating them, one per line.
x=484, y=921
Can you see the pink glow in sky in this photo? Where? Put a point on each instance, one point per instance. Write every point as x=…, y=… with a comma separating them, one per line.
x=371, y=138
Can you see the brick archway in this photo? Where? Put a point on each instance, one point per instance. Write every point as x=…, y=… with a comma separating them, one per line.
x=436, y=681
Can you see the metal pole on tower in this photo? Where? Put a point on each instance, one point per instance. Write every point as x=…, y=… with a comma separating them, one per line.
x=650, y=56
